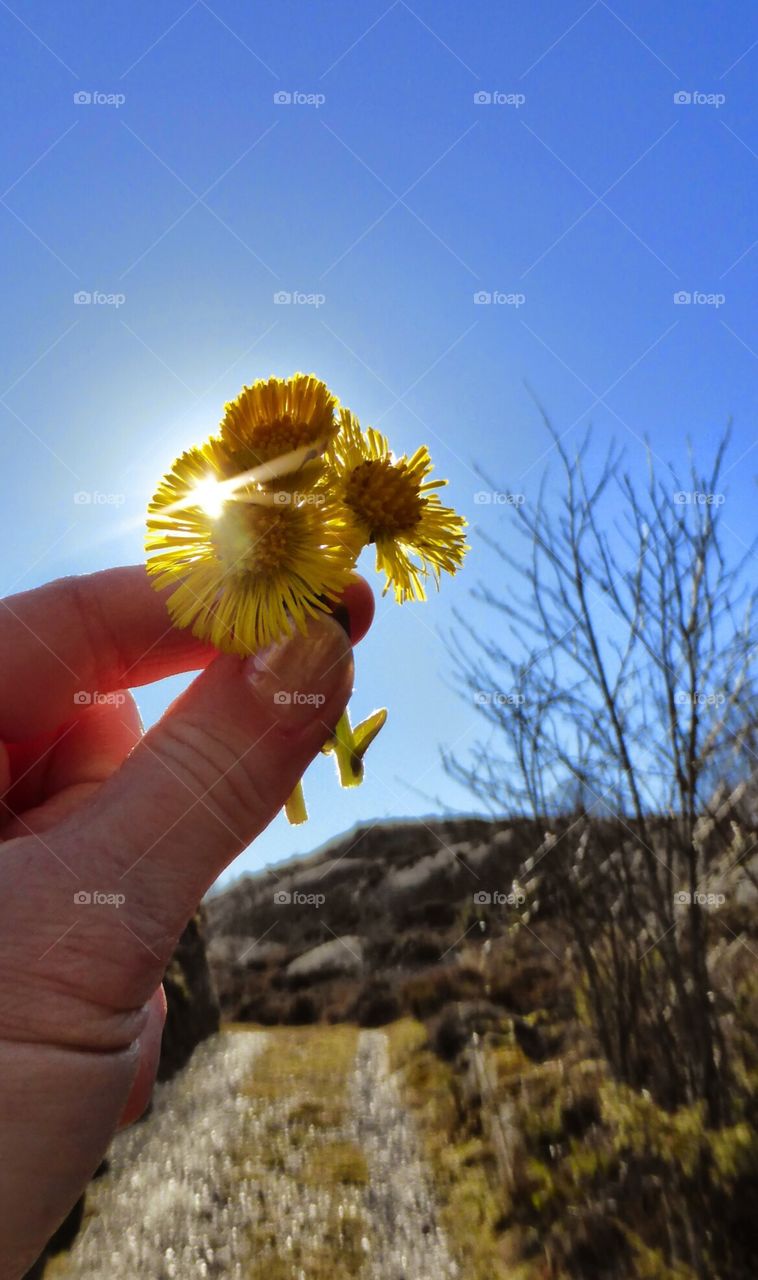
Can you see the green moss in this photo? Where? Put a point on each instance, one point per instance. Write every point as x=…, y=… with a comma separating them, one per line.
x=543, y=1184
x=640, y=1126
x=509, y=1062
x=304, y=1074
x=338, y=1163
x=649, y=1264
x=462, y=1166
x=586, y=1164
x=734, y=1151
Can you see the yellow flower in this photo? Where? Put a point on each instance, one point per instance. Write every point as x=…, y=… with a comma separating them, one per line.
x=281, y=427
x=391, y=503
x=245, y=563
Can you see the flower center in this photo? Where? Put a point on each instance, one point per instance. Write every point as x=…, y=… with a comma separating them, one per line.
x=283, y=435
x=384, y=496
x=251, y=538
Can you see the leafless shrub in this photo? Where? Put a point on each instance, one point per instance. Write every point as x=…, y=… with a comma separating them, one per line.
x=618, y=693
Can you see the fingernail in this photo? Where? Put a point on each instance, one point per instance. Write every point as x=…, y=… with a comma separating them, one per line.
x=297, y=677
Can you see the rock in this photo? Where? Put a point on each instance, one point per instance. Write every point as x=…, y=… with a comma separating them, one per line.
x=531, y=1040
x=385, y=883
x=193, y=1010
x=338, y=956
x=328, y=869
x=235, y=952
x=376, y=1005
x=460, y=1022
x=412, y=878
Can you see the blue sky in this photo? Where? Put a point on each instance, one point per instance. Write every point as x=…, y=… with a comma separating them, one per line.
x=579, y=194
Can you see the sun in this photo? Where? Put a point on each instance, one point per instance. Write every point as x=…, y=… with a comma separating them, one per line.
x=246, y=568
x=210, y=495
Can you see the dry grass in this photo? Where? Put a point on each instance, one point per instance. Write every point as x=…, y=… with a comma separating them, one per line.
x=462, y=1169
x=304, y=1075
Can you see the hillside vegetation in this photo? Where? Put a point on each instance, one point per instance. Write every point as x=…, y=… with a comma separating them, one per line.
x=547, y=1165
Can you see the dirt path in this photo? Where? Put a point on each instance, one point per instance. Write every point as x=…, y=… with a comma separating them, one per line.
x=160, y=1212
x=282, y=1155
x=408, y=1244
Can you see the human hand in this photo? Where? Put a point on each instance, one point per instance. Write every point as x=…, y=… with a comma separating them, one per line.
x=91, y=807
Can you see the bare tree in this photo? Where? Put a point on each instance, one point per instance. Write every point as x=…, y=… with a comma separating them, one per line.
x=619, y=693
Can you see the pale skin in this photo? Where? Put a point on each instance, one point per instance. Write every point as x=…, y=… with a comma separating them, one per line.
x=93, y=806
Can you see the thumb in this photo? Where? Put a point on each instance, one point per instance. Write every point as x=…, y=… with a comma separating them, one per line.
x=195, y=791
x=149, y=1053
x=222, y=761
x=90, y=910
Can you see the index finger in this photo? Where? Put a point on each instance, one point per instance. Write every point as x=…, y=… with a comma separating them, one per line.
x=78, y=636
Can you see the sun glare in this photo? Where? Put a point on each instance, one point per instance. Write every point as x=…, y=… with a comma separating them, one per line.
x=211, y=496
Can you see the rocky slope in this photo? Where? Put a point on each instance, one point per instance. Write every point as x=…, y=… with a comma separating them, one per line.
x=341, y=934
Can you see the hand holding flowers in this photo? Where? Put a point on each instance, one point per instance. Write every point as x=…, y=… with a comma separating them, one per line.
x=258, y=530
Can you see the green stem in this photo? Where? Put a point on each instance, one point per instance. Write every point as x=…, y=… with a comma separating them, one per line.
x=295, y=807
x=349, y=763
